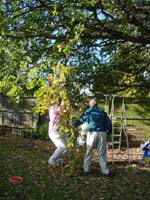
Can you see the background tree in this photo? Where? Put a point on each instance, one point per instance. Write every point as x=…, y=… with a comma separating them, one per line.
x=103, y=39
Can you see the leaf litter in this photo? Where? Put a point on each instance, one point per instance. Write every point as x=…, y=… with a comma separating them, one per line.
x=28, y=158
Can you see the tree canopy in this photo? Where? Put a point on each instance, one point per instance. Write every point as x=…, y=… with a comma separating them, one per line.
x=107, y=41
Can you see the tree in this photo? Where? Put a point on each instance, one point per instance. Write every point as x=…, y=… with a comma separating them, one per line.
x=54, y=48
x=37, y=35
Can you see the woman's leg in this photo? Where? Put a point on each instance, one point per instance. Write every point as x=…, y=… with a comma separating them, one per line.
x=61, y=143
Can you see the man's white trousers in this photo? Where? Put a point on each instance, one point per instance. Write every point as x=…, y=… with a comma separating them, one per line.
x=96, y=140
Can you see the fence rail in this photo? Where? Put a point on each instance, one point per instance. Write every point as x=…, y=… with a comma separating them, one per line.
x=17, y=116
x=20, y=117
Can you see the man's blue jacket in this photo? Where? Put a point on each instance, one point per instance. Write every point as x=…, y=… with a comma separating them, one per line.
x=97, y=120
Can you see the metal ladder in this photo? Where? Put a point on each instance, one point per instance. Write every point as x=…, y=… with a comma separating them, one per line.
x=116, y=139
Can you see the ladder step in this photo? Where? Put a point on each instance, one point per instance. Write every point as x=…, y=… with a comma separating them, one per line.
x=111, y=143
x=117, y=135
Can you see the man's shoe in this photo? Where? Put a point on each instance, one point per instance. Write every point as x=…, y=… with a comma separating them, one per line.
x=87, y=173
x=106, y=175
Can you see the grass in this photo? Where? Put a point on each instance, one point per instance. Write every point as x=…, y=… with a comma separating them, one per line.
x=28, y=158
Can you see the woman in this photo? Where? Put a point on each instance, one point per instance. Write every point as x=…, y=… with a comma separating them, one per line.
x=57, y=138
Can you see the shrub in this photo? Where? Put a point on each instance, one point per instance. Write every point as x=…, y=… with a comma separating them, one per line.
x=43, y=131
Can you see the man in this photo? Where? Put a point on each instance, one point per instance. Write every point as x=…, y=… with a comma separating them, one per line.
x=57, y=138
x=99, y=125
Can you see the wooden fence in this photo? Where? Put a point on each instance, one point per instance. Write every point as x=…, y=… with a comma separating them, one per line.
x=21, y=118
x=137, y=117
x=17, y=117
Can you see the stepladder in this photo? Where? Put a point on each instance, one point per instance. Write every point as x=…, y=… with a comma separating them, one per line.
x=119, y=129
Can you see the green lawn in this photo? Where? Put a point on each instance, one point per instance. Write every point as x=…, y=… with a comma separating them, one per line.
x=28, y=158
